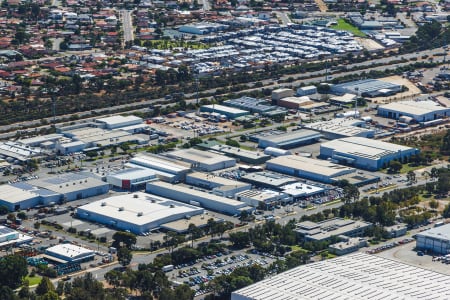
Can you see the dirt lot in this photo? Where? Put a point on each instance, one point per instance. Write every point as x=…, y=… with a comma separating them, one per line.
x=412, y=90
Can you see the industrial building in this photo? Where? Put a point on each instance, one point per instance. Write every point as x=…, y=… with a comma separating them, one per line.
x=306, y=90
x=301, y=190
x=130, y=178
x=72, y=186
x=267, y=179
x=295, y=102
x=17, y=152
x=203, y=160
x=229, y=112
x=354, y=276
x=347, y=245
x=420, y=111
x=365, y=153
x=66, y=148
x=16, y=198
x=308, y=168
x=367, y=88
x=322, y=231
x=202, y=28
x=286, y=140
x=218, y=185
x=118, y=121
x=282, y=93
x=166, y=169
x=197, y=197
x=137, y=212
x=242, y=155
x=435, y=240
x=10, y=237
x=263, y=198
x=38, y=141
x=340, y=128
x=69, y=253
x=254, y=105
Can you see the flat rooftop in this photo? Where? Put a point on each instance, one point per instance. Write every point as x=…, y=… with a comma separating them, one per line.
x=116, y=120
x=301, y=189
x=159, y=163
x=182, y=225
x=139, y=208
x=353, y=276
x=364, y=147
x=69, y=251
x=415, y=107
x=269, y=178
x=311, y=165
x=261, y=195
x=240, y=152
x=441, y=232
x=216, y=179
x=342, y=127
x=132, y=173
x=195, y=192
x=223, y=108
x=67, y=183
x=12, y=194
x=280, y=137
x=203, y=157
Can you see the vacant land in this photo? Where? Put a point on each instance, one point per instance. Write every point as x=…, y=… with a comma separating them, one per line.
x=344, y=25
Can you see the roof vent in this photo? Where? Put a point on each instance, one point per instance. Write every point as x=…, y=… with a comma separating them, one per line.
x=85, y=180
x=67, y=184
x=140, y=214
x=172, y=206
x=135, y=196
x=74, y=183
x=81, y=182
x=103, y=203
x=121, y=208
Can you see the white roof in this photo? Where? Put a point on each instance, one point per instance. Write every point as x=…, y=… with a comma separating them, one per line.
x=299, y=189
x=159, y=163
x=203, y=157
x=115, y=120
x=216, y=179
x=364, y=147
x=414, y=107
x=11, y=194
x=354, y=276
x=441, y=233
x=224, y=108
x=141, y=210
x=69, y=251
x=132, y=173
x=322, y=167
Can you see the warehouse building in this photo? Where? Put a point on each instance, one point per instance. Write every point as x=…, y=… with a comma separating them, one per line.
x=14, y=151
x=281, y=93
x=340, y=128
x=286, y=140
x=306, y=90
x=308, y=168
x=253, y=105
x=10, y=237
x=190, y=195
x=203, y=160
x=322, y=231
x=354, y=276
x=218, y=185
x=263, y=198
x=435, y=240
x=301, y=190
x=365, y=153
x=115, y=122
x=66, y=148
x=46, y=197
x=242, y=155
x=367, y=88
x=295, y=102
x=69, y=253
x=229, y=112
x=72, y=186
x=37, y=141
x=267, y=179
x=420, y=111
x=131, y=178
x=166, y=169
x=137, y=212
x=15, y=198
x=347, y=245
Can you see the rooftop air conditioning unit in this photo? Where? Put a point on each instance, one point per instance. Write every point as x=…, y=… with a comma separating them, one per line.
x=121, y=208
x=103, y=203
x=172, y=206
x=135, y=196
x=140, y=214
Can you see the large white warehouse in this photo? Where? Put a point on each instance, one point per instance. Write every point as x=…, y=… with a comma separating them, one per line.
x=353, y=276
x=195, y=197
x=165, y=169
x=420, y=111
x=131, y=178
x=309, y=168
x=436, y=240
x=365, y=153
x=203, y=160
x=137, y=212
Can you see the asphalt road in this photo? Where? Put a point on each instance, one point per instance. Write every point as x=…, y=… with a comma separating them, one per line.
x=127, y=24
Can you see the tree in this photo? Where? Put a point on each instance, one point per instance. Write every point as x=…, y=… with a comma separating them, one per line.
x=232, y=143
x=126, y=238
x=13, y=268
x=433, y=204
x=446, y=211
x=44, y=286
x=113, y=278
x=239, y=239
x=411, y=177
x=395, y=166
x=3, y=210
x=124, y=256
